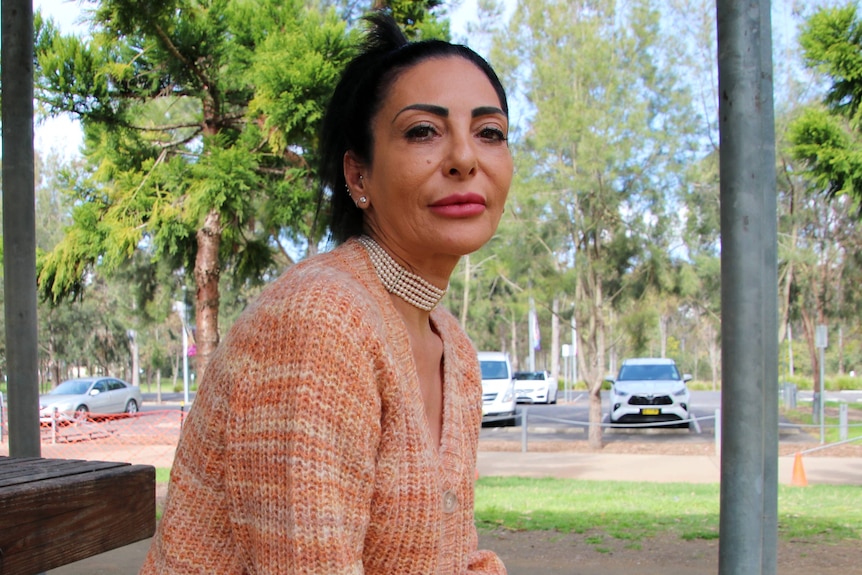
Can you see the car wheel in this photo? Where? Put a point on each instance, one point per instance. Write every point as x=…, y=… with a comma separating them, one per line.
x=81, y=412
x=131, y=406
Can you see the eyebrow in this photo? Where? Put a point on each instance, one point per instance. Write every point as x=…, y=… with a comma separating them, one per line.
x=487, y=111
x=444, y=112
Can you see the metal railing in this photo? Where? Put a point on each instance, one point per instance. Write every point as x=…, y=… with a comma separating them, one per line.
x=525, y=416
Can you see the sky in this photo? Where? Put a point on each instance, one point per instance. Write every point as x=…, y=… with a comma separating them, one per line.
x=61, y=134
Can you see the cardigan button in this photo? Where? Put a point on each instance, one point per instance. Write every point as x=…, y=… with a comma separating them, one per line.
x=450, y=501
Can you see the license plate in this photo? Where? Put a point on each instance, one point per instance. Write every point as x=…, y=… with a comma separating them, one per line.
x=650, y=411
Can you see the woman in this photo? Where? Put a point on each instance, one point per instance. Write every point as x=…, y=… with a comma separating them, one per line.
x=337, y=425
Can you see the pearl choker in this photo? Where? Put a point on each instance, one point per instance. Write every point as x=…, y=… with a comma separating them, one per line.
x=410, y=287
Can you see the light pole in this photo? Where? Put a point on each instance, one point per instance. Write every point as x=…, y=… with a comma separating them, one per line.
x=181, y=308
x=820, y=338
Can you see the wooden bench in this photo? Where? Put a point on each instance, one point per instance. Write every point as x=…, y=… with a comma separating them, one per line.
x=57, y=511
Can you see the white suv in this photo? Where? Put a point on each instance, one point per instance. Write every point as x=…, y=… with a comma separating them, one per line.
x=498, y=390
x=649, y=390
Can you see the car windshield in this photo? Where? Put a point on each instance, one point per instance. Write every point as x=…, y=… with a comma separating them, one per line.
x=494, y=370
x=529, y=375
x=72, y=387
x=647, y=372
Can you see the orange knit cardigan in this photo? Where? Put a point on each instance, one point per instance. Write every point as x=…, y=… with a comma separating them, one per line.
x=307, y=448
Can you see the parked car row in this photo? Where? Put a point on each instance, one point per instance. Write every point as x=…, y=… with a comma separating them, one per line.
x=79, y=397
x=502, y=389
x=646, y=390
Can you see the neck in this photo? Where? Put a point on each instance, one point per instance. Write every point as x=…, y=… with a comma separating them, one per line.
x=411, y=288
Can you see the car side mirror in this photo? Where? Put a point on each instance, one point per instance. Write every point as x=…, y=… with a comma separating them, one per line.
x=686, y=377
x=610, y=379
x=95, y=392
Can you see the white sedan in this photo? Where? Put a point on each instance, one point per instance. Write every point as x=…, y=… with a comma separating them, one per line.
x=535, y=387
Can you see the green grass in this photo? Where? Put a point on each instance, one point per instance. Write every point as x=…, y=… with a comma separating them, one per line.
x=163, y=474
x=803, y=416
x=635, y=511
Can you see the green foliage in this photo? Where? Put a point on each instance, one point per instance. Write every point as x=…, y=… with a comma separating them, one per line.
x=182, y=118
x=200, y=122
x=611, y=196
x=832, y=383
x=413, y=16
x=832, y=151
x=828, y=141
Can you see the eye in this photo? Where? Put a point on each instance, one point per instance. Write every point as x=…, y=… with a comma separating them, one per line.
x=493, y=134
x=421, y=132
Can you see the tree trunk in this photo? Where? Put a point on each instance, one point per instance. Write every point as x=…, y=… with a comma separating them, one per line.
x=840, y=350
x=808, y=327
x=555, y=340
x=513, y=335
x=207, y=273
x=465, y=300
x=594, y=346
x=662, y=328
x=136, y=363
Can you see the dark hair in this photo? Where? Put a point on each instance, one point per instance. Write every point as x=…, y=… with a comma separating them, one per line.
x=358, y=97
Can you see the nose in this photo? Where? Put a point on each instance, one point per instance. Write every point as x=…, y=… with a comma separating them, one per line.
x=463, y=160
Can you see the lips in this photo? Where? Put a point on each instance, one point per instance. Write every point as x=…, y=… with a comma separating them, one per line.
x=459, y=205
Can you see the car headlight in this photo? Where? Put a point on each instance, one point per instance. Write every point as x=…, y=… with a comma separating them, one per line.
x=510, y=393
x=680, y=392
x=619, y=392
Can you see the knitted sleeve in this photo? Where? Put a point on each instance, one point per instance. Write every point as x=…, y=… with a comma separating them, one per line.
x=275, y=472
x=302, y=436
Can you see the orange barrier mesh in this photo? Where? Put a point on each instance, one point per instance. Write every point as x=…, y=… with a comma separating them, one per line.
x=148, y=438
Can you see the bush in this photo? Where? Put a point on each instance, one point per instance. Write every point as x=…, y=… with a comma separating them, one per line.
x=843, y=382
x=800, y=381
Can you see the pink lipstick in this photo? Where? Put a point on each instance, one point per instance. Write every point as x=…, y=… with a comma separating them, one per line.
x=459, y=206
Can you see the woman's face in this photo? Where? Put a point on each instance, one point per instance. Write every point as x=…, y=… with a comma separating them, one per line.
x=441, y=165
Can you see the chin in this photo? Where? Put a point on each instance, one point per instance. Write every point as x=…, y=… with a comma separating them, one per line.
x=468, y=243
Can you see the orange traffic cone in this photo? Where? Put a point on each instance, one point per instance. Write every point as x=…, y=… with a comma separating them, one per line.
x=798, y=478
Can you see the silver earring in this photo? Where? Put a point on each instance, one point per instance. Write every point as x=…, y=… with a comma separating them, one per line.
x=363, y=200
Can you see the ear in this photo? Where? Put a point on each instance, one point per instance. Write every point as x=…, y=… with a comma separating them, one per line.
x=354, y=169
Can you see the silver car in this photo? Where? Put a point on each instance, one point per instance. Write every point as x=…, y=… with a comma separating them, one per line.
x=97, y=395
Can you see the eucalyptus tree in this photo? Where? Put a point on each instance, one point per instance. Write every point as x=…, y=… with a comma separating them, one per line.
x=824, y=161
x=200, y=126
x=607, y=118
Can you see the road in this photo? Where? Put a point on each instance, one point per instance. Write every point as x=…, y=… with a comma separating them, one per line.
x=570, y=418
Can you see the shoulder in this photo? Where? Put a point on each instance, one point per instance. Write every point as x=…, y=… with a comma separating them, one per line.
x=326, y=295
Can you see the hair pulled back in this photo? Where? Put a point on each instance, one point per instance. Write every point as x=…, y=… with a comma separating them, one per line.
x=364, y=85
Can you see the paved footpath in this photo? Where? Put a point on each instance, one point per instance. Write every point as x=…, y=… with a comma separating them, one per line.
x=590, y=466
